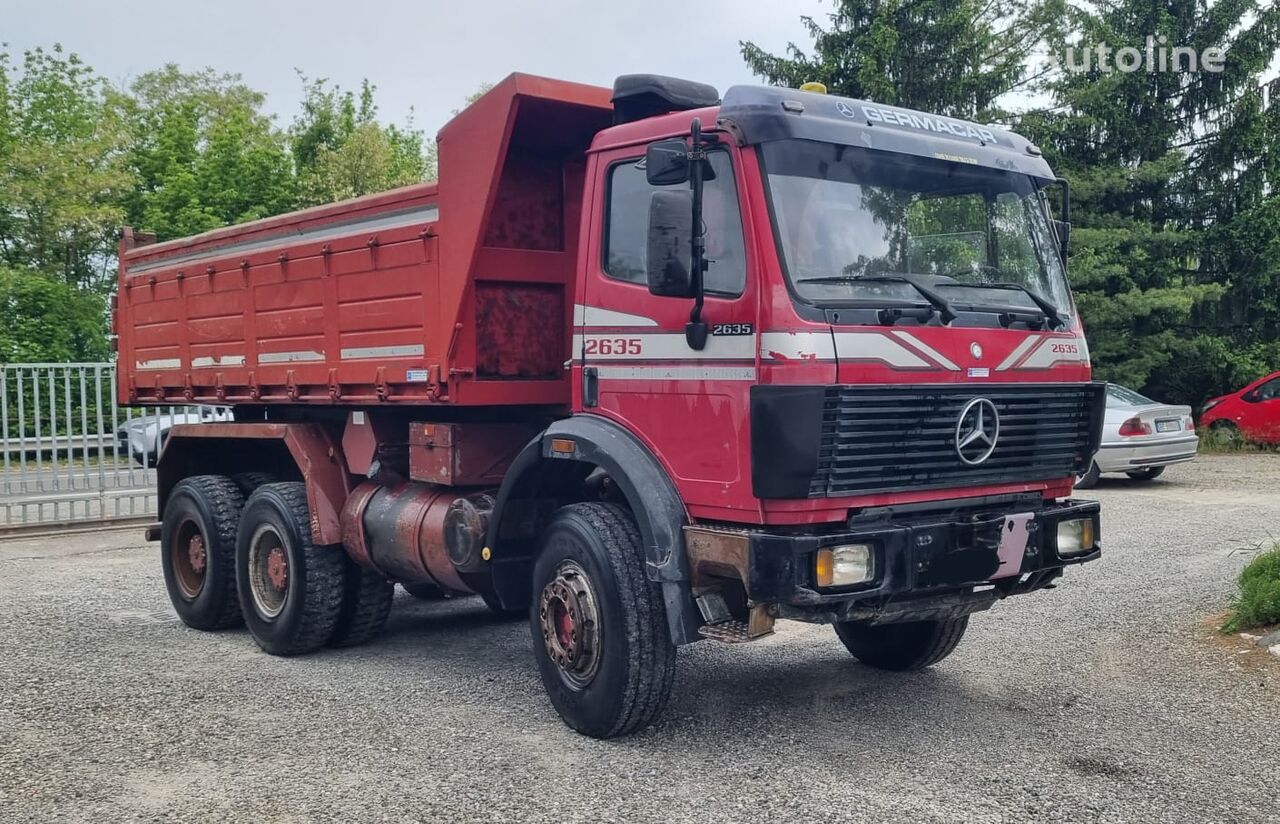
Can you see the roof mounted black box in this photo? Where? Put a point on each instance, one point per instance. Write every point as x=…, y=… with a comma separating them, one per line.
x=637, y=96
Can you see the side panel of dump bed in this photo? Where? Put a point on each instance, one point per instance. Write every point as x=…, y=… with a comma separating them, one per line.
x=329, y=305
x=459, y=293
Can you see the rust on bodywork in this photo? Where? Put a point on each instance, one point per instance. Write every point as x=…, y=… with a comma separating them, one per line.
x=231, y=447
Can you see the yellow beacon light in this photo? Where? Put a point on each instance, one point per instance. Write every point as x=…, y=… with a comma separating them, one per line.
x=814, y=86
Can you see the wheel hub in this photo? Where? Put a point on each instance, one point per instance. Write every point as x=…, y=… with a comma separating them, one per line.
x=277, y=569
x=196, y=553
x=268, y=571
x=570, y=623
x=189, y=557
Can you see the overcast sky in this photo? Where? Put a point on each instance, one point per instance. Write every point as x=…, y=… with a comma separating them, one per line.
x=426, y=55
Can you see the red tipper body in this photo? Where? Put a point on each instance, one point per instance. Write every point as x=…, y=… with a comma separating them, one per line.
x=457, y=292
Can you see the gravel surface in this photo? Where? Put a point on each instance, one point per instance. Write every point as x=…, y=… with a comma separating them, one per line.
x=1106, y=699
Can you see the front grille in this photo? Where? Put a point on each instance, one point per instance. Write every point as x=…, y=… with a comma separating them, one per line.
x=895, y=438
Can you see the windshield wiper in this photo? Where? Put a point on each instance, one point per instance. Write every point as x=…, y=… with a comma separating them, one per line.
x=945, y=312
x=1050, y=311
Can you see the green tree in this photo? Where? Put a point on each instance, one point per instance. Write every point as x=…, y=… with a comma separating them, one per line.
x=340, y=150
x=204, y=153
x=955, y=57
x=62, y=174
x=47, y=319
x=1174, y=176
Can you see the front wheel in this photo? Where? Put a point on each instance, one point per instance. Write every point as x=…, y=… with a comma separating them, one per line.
x=1090, y=478
x=1148, y=474
x=900, y=647
x=599, y=626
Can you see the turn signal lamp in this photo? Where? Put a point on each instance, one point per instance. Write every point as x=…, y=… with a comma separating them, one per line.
x=842, y=566
x=1076, y=537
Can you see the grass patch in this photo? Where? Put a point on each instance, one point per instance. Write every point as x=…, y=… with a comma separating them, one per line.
x=1218, y=442
x=1257, y=603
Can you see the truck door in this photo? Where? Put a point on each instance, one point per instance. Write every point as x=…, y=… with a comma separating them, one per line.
x=690, y=406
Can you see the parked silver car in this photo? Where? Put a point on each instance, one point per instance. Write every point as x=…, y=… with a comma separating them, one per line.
x=143, y=437
x=1140, y=437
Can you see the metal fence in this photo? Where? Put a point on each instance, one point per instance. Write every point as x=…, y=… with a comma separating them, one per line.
x=71, y=454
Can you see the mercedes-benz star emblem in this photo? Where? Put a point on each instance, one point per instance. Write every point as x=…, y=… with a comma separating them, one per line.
x=977, y=430
x=845, y=109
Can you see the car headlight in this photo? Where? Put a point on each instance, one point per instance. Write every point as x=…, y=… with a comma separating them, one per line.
x=1076, y=537
x=842, y=566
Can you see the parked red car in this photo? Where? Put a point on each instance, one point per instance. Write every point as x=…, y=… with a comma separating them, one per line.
x=1252, y=412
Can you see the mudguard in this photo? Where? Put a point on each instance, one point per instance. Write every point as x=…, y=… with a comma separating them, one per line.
x=660, y=514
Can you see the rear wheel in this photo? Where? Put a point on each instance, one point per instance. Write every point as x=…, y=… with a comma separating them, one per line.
x=1090, y=478
x=1148, y=474
x=291, y=592
x=599, y=626
x=366, y=603
x=198, y=548
x=900, y=647
x=249, y=481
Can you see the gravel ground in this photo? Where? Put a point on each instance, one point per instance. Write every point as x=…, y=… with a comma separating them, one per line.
x=1106, y=699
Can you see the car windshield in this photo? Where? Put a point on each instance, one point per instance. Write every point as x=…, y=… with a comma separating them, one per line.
x=1123, y=396
x=855, y=225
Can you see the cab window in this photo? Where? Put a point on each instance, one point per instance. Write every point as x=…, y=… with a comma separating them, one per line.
x=627, y=226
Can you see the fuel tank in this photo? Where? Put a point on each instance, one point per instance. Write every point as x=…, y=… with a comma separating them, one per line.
x=417, y=532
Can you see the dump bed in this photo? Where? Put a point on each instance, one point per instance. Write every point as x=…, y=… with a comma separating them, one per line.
x=458, y=292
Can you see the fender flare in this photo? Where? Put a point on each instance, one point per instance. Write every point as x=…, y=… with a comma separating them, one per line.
x=644, y=483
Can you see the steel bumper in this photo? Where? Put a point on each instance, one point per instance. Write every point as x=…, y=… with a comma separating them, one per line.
x=923, y=567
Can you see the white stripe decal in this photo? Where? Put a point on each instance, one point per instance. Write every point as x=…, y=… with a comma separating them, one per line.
x=1018, y=351
x=875, y=346
x=595, y=316
x=159, y=363
x=290, y=237
x=1053, y=351
x=928, y=350
x=677, y=373
x=223, y=360
x=782, y=346
x=625, y=346
x=289, y=357
x=401, y=351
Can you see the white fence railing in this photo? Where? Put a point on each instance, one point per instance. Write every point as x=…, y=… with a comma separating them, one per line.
x=70, y=454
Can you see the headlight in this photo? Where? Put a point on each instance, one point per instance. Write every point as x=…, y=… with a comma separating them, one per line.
x=842, y=566
x=1076, y=537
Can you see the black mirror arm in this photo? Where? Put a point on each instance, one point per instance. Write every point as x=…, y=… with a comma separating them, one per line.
x=695, y=332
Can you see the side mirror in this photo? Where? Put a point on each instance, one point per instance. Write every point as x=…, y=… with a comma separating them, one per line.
x=670, y=231
x=666, y=162
x=1063, y=230
x=1252, y=396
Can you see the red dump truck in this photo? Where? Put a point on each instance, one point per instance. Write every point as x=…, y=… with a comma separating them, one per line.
x=646, y=366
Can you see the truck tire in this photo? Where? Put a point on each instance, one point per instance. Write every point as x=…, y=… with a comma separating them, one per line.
x=901, y=647
x=198, y=551
x=1090, y=478
x=366, y=603
x=249, y=481
x=290, y=590
x=599, y=626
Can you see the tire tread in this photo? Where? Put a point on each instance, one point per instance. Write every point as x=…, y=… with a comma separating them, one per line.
x=225, y=503
x=651, y=664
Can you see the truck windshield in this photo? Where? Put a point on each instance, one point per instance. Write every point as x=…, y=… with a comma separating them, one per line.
x=859, y=226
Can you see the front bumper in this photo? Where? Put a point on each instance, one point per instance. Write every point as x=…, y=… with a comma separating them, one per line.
x=1128, y=457
x=926, y=566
